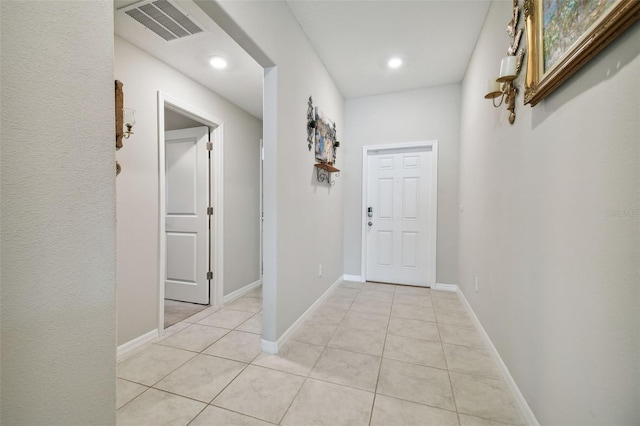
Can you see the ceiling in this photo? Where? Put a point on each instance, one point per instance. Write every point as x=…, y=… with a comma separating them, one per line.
x=240, y=82
x=354, y=40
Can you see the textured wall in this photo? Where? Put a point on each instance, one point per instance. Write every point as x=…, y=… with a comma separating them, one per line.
x=303, y=218
x=551, y=229
x=414, y=115
x=58, y=214
x=143, y=76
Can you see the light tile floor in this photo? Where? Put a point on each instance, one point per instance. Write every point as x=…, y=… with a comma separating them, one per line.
x=371, y=354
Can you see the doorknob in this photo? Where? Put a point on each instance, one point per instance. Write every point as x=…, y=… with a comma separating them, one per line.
x=370, y=212
x=370, y=224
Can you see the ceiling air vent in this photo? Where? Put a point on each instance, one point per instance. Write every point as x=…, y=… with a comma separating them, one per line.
x=164, y=19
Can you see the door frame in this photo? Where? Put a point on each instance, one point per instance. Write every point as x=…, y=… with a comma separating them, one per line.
x=260, y=261
x=433, y=202
x=216, y=192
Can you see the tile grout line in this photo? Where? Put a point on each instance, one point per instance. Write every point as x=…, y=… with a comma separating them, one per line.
x=468, y=374
x=323, y=351
x=384, y=345
x=237, y=412
x=133, y=399
x=301, y=386
x=453, y=395
x=202, y=353
x=226, y=386
x=234, y=378
x=311, y=369
x=446, y=369
x=196, y=416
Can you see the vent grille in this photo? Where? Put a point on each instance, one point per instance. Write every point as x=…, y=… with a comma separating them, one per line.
x=164, y=19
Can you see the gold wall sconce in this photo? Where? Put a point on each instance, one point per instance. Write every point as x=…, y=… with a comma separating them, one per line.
x=125, y=120
x=504, y=86
x=129, y=121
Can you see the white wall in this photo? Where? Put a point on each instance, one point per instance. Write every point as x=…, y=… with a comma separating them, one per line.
x=177, y=121
x=137, y=187
x=58, y=214
x=303, y=218
x=415, y=115
x=551, y=229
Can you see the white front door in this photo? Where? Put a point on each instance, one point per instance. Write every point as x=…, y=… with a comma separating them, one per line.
x=187, y=219
x=398, y=224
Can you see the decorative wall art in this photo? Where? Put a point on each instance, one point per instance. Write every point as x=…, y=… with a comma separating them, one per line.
x=325, y=137
x=564, y=35
x=321, y=132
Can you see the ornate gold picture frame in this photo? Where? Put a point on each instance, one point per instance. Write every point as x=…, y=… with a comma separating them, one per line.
x=606, y=20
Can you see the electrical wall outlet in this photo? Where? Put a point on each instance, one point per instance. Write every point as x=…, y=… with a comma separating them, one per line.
x=319, y=270
x=475, y=280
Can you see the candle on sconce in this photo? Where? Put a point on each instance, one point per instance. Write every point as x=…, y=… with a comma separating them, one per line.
x=508, y=68
x=492, y=85
x=493, y=89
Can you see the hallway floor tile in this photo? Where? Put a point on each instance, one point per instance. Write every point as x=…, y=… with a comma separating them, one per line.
x=370, y=354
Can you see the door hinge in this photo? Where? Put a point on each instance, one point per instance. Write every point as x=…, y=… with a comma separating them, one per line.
x=209, y=146
x=209, y=275
x=210, y=211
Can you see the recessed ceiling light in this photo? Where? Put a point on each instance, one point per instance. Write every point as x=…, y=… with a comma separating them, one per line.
x=394, y=63
x=218, y=62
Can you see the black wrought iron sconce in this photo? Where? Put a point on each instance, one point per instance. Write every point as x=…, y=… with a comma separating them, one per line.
x=324, y=172
x=311, y=123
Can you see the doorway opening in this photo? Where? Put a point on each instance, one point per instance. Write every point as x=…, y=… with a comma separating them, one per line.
x=399, y=213
x=190, y=166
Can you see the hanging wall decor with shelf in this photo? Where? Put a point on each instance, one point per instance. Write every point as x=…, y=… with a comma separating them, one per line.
x=321, y=133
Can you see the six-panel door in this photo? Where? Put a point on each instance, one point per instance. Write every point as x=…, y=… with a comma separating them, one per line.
x=398, y=231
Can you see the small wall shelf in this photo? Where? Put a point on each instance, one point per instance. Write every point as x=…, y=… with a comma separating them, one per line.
x=323, y=172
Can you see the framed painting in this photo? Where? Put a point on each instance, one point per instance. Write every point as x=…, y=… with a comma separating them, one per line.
x=563, y=35
x=325, y=138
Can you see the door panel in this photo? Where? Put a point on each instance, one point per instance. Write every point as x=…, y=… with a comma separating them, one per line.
x=410, y=249
x=182, y=251
x=411, y=162
x=410, y=198
x=399, y=193
x=385, y=163
x=181, y=156
x=385, y=248
x=385, y=198
x=187, y=222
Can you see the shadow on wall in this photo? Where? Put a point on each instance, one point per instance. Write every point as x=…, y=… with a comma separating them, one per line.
x=602, y=67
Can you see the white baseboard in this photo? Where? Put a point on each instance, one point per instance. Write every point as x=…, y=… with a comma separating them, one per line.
x=445, y=287
x=525, y=410
x=356, y=278
x=240, y=292
x=271, y=347
x=129, y=348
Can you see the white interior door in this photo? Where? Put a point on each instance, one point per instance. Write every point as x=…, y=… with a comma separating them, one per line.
x=187, y=218
x=398, y=193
